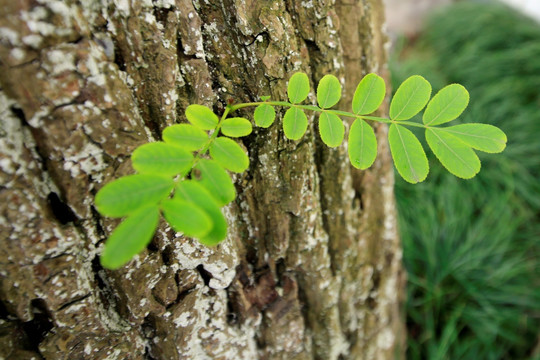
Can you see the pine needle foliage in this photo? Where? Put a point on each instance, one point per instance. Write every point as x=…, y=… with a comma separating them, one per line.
x=472, y=249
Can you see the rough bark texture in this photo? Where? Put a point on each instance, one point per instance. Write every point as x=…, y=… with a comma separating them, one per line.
x=311, y=267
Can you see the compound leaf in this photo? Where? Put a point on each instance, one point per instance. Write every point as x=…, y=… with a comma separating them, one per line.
x=331, y=129
x=229, y=154
x=264, y=115
x=185, y=135
x=298, y=88
x=294, y=123
x=447, y=105
x=202, y=117
x=411, y=97
x=368, y=95
x=194, y=192
x=455, y=155
x=129, y=193
x=483, y=137
x=216, y=180
x=186, y=217
x=130, y=237
x=408, y=154
x=161, y=159
x=328, y=91
x=362, y=145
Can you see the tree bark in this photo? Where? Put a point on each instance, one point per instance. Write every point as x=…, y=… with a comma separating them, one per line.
x=311, y=267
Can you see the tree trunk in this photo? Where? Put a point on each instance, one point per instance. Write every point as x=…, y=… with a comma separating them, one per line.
x=311, y=267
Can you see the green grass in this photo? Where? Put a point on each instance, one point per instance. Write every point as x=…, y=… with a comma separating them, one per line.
x=472, y=248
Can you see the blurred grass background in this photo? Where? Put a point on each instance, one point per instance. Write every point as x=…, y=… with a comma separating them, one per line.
x=472, y=248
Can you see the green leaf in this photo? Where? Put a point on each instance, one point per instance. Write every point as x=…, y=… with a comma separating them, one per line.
x=265, y=97
x=217, y=181
x=298, y=88
x=185, y=135
x=294, y=123
x=130, y=237
x=483, y=137
x=328, y=91
x=411, y=97
x=196, y=193
x=236, y=127
x=408, y=154
x=160, y=158
x=447, y=105
x=202, y=117
x=264, y=115
x=229, y=155
x=129, y=193
x=369, y=94
x=362, y=145
x=455, y=155
x=331, y=129
x=186, y=217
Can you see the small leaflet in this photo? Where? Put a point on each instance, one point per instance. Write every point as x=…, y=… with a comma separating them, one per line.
x=294, y=123
x=331, y=129
x=483, y=137
x=447, y=105
x=129, y=193
x=264, y=115
x=229, y=155
x=130, y=237
x=369, y=95
x=328, y=91
x=409, y=156
x=185, y=135
x=202, y=117
x=362, y=145
x=298, y=88
x=236, y=127
x=186, y=217
x=455, y=155
x=216, y=180
x=161, y=159
x=193, y=191
x=411, y=97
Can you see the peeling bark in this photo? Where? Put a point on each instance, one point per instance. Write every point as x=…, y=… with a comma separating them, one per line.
x=311, y=267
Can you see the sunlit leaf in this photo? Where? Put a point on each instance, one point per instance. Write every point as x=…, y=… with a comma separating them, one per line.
x=229, y=154
x=369, y=94
x=196, y=193
x=362, y=145
x=455, y=155
x=161, y=158
x=129, y=193
x=186, y=217
x=236, y=127
x=331, y=129
x=294, y=123
x=328, y=91
x=298, y=88
x=185, y=135
x=264, y=115
x=216, y=180
x=130, y=237
x=483, y=137
x=411, y=97
x=447, y=105
x=202, y=117
x=409, y=156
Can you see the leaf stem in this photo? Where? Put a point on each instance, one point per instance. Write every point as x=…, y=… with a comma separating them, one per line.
x=318, y=109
